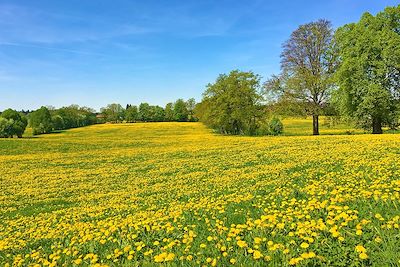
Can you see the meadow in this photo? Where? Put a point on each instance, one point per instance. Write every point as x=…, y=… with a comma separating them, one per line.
x=176, y=194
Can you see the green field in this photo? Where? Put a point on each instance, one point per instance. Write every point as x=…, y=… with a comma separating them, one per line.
x=175, y=194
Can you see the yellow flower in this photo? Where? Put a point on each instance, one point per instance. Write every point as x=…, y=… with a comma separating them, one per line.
x=257, y=240
x=242, y=243
x=363, y=256
x=304, y=245
x=233, y=261
x=170, y=257
x=360, y=249
x=257, y=254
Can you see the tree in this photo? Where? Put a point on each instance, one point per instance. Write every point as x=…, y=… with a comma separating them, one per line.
x=369, y=70
x=190, y=106
x=144, y=112
x=40, y=121
x=113, y=112
x=58, y=122
x=169, y=112
x=6, y=127
x=158, y=113
x=131, y=113
x=19, y=122
x=180, y=110
x=308, y=65
x=231, y=105
x=73, y=116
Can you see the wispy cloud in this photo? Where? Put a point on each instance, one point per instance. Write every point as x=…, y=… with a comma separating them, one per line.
x=20, y=24
x=51, y=48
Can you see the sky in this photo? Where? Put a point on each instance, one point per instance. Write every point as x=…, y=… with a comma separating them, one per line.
x=96, y=52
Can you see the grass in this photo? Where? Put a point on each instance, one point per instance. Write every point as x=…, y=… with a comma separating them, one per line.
x=175, y=194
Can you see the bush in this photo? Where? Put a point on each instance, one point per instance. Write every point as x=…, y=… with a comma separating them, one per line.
x=270, y=127
x=6, y=127
x=40, y=121
x=275, y=126
x=16, y=124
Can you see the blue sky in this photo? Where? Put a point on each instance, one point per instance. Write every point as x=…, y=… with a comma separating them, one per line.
x=96, y=52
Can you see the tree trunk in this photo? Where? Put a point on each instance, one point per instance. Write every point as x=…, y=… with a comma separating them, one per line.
x=315, y=125
x=377, y=126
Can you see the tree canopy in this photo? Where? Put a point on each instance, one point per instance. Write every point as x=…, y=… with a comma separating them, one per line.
x=369, y=72
x=40, y=121
x=12, y=123
x=308, y=65
x=231, y=105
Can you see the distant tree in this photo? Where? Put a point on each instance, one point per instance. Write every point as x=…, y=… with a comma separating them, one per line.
x=58, y=122
x=40, y=121
x=369, y=72
x=131, y=113
x=113, y=112
x=73, y=116
x=19, y=122
x=169, y=112
x=181, y=112
x=158, y=113
x=308, y=64
x=232, y=104
x=6, y=127
x=144, y=113
x=190, y=106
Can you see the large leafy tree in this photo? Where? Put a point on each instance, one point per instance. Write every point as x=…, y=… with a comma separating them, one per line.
x=308, y=64
x=5, y=127
x=369, y=72
x=18, y=122
x=40, y=121
x=231, y=105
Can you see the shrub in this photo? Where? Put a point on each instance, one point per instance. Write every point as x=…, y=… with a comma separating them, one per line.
x=6, y=127
x=275, y=126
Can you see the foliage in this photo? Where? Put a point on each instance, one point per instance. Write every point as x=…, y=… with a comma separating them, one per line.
x=190, y=106
x=131, y=114
x=181, y=112
x=40, y=121
x=18, y=123
x=169, y=112
x=275, y=126
x=6, y=127
x=369, y=73
x=308, y=64
x=72, y=116
x=113, y=112
x=168, y=194
x=232, y=104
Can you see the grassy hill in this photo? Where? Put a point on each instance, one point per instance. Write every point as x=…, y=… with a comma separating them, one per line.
x=141, y=194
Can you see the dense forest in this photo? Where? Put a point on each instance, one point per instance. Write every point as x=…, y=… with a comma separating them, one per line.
x=352, y=73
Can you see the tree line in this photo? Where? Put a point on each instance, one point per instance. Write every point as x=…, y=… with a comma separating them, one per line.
x=353, y=72
x=49, y=119
x=45, y=120
x=180, y=110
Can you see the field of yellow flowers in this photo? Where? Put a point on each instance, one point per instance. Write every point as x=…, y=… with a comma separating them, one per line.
x=175, y=194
